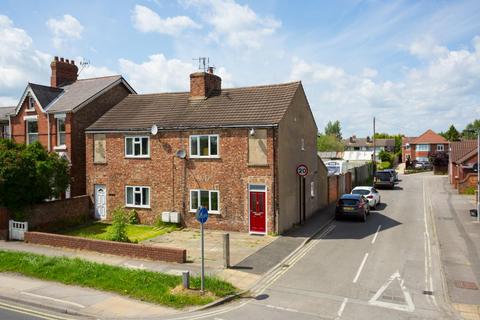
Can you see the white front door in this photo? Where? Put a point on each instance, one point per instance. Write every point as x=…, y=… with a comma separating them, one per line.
x=100, y=202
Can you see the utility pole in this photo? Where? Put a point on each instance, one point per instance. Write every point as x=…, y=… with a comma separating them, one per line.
x=478, y=175
x=374, y=153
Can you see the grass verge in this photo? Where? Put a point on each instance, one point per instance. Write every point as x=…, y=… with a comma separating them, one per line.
x=135, y=232
x=147, y=286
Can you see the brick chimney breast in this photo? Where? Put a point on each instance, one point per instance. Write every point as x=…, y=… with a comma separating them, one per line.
x=204, y=85
x=63, y=72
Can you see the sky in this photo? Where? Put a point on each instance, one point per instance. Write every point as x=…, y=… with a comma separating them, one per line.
x=413, y=65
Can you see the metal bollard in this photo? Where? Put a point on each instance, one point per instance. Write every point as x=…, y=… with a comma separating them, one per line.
x=186, y=279
x=226, y=250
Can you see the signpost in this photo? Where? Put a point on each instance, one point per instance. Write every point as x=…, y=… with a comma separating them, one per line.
x=202, y=217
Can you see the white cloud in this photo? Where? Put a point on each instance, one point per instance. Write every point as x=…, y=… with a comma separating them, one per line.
x=443, y=91
x=237, y=25
x=19, y=61
x=146, y=20
x=68, y=27
x=8, y=101
x=426, y=47
x=157, y=74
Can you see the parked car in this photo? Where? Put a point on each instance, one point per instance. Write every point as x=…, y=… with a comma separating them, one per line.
x=370, y=193
x=352, y=205
x=384, y=179
x=423, y=165
x=394, y=172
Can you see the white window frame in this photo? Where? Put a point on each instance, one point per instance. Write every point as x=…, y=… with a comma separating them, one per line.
x=209, y=200
x=440, y=147
x=426, y=149
x=61, y=132
x=26, y=127
x=30, y=104
x=133, y=147
x=198, y=146
x=133, y=205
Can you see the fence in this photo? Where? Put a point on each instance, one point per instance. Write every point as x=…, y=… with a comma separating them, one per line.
x=361, y=174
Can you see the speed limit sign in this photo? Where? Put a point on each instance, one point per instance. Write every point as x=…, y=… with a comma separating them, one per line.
x=302, y=170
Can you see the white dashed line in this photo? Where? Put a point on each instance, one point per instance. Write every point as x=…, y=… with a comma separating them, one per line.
x=360, y=268
x=376, y=234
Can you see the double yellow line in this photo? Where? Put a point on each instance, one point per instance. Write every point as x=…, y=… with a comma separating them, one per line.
x=31, y=312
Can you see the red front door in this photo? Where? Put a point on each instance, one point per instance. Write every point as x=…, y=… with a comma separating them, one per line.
x=257, y=212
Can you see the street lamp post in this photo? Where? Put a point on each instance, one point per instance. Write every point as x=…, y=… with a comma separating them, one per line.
x=478, y=172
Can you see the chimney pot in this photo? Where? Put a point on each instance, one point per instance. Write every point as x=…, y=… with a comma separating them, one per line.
x=56, y=58
x=72, y=62
x=210, y=70
x=62, y=60
x=67, y=61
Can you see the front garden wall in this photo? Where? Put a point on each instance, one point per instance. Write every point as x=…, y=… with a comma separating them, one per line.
x=108, y=247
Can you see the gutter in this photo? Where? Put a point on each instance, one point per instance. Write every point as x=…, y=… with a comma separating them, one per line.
x=183, y=128
x=48, y=132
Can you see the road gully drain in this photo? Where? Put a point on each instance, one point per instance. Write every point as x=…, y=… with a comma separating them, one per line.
x=428, y=293
x=465, y=285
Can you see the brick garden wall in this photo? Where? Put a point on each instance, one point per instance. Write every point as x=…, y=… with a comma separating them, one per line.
x=332, y=189
x=49, y=216
x=3, y=224
x=108, y=247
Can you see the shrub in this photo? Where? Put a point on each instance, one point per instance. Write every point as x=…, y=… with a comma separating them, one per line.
x=384, y=165
x=133, y=217
x=469, y=190
x=118, y=230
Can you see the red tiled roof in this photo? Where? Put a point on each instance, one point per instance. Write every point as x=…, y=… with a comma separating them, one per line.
x=429, y=137
x=460, y=149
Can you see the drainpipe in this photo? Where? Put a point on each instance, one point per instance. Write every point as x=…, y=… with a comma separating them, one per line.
x=48, y=132
x=275, y=208
x=10, y=128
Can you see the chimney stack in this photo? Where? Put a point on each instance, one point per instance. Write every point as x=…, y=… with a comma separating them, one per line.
x=63, y=72
x=204, y=84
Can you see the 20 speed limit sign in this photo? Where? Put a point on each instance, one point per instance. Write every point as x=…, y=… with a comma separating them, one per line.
x=302, y=170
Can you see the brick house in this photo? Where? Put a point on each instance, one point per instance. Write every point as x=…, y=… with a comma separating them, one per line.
x=462, y=166
x=234, y=151
x=421, y=147
x=57, y=115
x=5, y=121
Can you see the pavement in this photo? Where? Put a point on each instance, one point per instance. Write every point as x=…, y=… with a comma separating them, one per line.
x=251, y=257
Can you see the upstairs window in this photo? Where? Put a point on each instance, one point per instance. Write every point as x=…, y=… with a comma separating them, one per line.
x=137, y=147
x=61, y=131
x=32, y=131
x=423, y=147
x=31, y=103
x=440, y=147
x=204, y=146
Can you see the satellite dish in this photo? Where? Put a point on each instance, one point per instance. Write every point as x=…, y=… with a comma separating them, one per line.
x=154, y=129
x=181, y=154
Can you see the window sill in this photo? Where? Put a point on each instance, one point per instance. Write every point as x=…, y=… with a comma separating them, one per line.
x=205, y=157
x=97, y=162
x=137, y=157
x=216, y=213
x=265, y=165
x=60, y=148
x=137, y=207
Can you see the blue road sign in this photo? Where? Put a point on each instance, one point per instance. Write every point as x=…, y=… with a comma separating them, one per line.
x=202, y=215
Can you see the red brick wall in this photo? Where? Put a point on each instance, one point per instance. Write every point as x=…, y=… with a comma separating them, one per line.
x=332, y=189
x=3, y=223
x=49, y=216
x=164, y=174
x=108, y=247
x=470, y=181
x=18, y=124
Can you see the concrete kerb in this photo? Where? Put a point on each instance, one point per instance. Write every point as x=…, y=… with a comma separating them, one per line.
x=64, y=310
x=266, y=274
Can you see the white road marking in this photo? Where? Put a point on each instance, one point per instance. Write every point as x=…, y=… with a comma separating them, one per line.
x=52, y=299
x=360, y=268
x=409, y=307
x=376, y=234
x=281, y=308
x=342, y=307
x=428, y=250
x=30, y=312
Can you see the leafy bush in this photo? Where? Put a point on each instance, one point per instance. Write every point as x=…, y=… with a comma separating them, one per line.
x=118, y=231
x=29, y=174
x=384, y=165
x=133, y=217
x=386, y=156
x=469, y=190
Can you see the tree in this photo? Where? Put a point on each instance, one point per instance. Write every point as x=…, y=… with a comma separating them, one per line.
x=471, y=130
x=329, y=143
x=334, y=128
x=30, y=174
x=452, y=134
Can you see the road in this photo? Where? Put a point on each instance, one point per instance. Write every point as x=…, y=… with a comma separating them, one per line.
x=386, y=268
x=15, y=311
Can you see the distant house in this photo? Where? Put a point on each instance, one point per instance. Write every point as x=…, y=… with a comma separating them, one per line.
x=57, y=115
x=462, y=168
x=5, y=121
x=233, y=151
x=361, y=149
x=421, y=147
